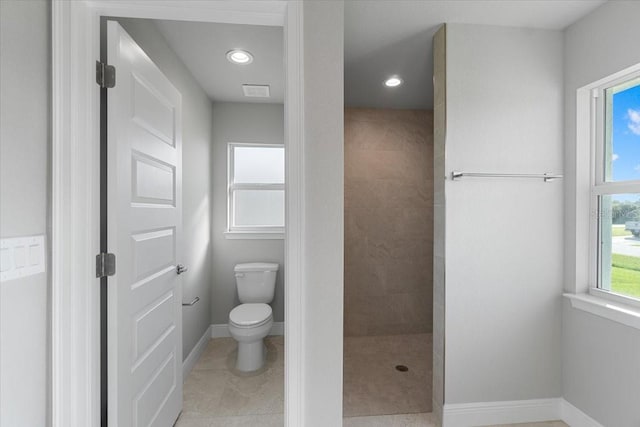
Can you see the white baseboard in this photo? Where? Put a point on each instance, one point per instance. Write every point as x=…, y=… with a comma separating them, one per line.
x=195, y=354
x=277, y=329
x=222, y=330
x=508, y=412
x=513, y=412
x=216, y=331
x=575, y=417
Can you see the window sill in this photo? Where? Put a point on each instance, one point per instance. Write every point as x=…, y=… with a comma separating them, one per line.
x=622, y=313
x=253, y=235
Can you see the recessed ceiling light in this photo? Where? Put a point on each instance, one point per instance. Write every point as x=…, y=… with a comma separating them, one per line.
x=238, y=56
x=393, y=81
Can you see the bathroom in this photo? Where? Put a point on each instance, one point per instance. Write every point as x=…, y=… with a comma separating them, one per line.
x=388, y=199
x=529, y=336
x=233, y=157
x=236, y=142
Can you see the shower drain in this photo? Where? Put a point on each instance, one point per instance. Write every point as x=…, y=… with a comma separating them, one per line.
x=401, y=368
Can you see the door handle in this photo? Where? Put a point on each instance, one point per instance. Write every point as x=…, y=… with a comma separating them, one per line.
x=181, y=269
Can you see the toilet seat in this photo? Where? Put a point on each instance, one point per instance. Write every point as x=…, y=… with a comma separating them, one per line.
x=250, y=315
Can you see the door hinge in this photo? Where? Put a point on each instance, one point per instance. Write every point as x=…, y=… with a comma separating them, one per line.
x=105, y=265
x=105, y=75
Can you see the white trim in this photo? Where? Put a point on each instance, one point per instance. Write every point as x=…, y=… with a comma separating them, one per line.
x=587, y=183
x=253, y=235
x=250, y=12
x=294, y=296
x=196, y=352
x=75, y=332
x=608, y=308
x=277, y=329
x=600, y=222
x=232, y=186
x=514, y=412
x=616, y=187
x=518, y=411
x=222, y=330
x=574, y=417
x=507, y=412
x=616, y=298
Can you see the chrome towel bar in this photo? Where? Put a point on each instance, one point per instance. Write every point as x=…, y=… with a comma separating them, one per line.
x=189, y=304
x=545, y=176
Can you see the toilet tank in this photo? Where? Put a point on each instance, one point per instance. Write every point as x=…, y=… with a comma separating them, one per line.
x=256, y=282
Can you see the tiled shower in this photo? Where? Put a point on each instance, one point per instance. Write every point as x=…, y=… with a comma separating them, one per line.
x=388, y=291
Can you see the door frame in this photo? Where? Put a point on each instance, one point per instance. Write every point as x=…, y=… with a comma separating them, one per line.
x=75, y=230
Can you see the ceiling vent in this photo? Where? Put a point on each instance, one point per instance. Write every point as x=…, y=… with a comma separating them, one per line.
x=256, y=91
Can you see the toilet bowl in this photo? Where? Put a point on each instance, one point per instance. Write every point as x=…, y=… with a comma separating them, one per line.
x=248, y=325
x=252, y=320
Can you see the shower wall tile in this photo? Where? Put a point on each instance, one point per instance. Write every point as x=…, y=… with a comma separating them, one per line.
x=388, y=222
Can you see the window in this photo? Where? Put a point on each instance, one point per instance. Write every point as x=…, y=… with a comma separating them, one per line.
x=256, y=189
x=615, y=193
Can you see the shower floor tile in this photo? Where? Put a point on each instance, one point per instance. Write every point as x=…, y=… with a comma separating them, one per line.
x=373, y=385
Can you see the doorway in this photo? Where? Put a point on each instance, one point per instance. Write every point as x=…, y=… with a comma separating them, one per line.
x=75, y=196
x=205, y=208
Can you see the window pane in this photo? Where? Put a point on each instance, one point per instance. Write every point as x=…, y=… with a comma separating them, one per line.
x=258, y=165
x=622, y=132
x=255, y=208
x=620, y=244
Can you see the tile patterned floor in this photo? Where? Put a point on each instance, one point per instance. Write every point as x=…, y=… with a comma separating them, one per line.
x=403, y=420
x=216, y=394
x=545, y=424
x=372, y=385
x=422, y=420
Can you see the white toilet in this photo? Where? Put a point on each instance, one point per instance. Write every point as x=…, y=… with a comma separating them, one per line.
x=251, y=321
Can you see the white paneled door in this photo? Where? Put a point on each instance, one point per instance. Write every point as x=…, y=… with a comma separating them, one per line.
x=144, y=231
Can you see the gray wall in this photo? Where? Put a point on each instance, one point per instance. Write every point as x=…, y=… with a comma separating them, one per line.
x=601, y=358
x=25, y=28
x=503, y=236
x=323, y=252
x=196, y=178
x=240, y=122
x=24, y=205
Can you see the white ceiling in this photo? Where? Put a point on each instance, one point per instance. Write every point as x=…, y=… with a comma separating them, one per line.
x=386, y=37
x=382, y=38
x=202, y=47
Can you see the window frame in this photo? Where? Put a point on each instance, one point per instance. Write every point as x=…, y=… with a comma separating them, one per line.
x=600, y=187
x=252, y=232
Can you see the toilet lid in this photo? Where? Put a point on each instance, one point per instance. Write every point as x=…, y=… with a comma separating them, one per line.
x=250, y=314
